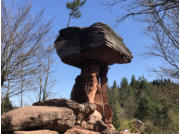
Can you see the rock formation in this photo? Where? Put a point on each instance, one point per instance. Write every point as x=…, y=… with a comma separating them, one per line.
x=38, y=117
x=92, y=49
x=56, y=116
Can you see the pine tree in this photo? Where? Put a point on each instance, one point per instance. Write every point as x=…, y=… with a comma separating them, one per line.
x=124, y=83
x=114, y=92
x=6, y=105
x=155, y=103
x=74, y=7
x=116, y=121
x=133, y=82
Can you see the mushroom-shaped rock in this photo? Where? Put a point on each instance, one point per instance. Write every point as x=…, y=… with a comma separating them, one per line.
x=92, y=49
x=98, y=42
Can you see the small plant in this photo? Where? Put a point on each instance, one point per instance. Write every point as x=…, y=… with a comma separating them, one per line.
x=74, y=7
x=136, y=126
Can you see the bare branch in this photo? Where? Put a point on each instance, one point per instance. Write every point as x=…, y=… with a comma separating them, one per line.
x=21, y=35
x=161, y=17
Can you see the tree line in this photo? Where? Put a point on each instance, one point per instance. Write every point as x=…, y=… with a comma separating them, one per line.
x=154, y=103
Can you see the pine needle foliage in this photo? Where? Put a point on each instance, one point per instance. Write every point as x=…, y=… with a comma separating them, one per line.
x=74, y=6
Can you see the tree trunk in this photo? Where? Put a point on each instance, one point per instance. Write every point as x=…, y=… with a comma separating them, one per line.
x=46, y=81
x=69, y=20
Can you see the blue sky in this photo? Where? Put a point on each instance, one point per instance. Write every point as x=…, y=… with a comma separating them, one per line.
x=94, y=11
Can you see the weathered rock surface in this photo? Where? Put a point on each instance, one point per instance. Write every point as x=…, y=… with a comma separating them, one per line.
x=86, y=84
x=94, y=117
x=101, y=95
x=75, y=106
x=36, y=132
x=91, y=86
x=92, y=49
x=109, y=131
x=38, y=117
x=80, y=130
x=106, y=111
x=56, y=116
x=76, y=45
x=82, y=111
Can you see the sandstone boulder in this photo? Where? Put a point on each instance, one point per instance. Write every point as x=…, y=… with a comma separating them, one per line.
x=87, y=108
x=94, y=117
x=82, y=111
x=106, y=112
x=38, y=117
x=36, y=132
x=80, y=130
x=110, y=131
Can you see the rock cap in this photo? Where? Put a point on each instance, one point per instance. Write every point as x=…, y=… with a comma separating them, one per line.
x=98, y=42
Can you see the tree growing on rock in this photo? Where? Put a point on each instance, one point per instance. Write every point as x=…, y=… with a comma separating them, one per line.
x=74, y=7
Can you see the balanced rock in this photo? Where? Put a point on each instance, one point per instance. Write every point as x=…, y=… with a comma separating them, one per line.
x=92, y=49
x=38, y=117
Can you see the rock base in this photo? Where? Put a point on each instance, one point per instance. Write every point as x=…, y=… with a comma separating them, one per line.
x=56, y=116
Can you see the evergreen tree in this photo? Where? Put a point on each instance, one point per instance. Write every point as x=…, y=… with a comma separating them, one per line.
x=130, y=105
x=155, y=103
x=142, y=82
x=114, y=84
x=124, y=83
x=74, y=7
x=124, y=91
x=6, y=105
x=116, y=121
x=114, y=92
x=133, y=82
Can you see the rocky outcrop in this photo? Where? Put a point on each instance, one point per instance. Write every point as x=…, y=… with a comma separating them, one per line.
x=87, y=107
x=82, y=111
x=106, y=111
x=91, y=87
x=56, y=116
x=80, y=130
x=86, y=114
x=38, y=117
x=92, y=49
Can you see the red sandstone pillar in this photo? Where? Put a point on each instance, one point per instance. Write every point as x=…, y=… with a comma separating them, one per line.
x=91, y=86
x=86, y=84
x=101, y=100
